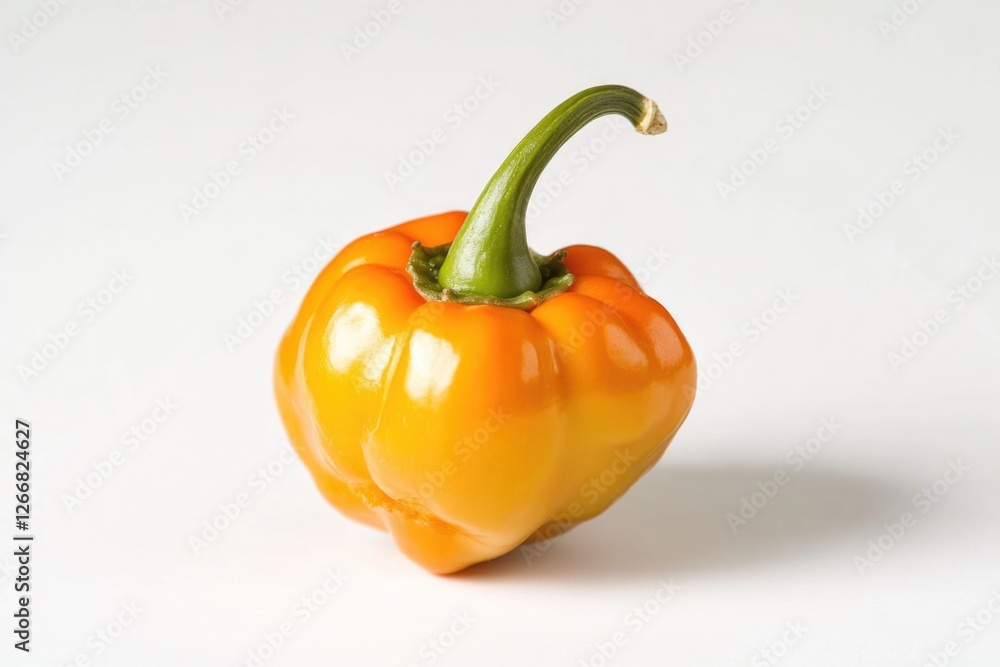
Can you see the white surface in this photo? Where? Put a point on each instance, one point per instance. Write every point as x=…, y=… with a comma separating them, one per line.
x=163, y=336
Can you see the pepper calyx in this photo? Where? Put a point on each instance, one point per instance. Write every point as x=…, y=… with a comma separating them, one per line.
x=425, y=263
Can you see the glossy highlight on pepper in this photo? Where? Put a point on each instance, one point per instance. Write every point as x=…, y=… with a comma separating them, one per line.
x=444, y=383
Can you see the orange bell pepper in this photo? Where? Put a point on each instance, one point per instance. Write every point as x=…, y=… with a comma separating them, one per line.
x=443, y=382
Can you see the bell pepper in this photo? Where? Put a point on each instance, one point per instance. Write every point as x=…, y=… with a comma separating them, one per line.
x=443, y=382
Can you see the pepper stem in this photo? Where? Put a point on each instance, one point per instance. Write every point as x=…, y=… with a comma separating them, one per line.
x=490, y=257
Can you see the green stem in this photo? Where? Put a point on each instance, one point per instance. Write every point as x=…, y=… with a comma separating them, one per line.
x=490, y=258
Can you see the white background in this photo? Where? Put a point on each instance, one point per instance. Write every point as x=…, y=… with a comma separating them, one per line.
x=323, y=176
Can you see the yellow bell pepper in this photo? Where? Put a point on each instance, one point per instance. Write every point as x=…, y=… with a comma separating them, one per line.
x=443, y=382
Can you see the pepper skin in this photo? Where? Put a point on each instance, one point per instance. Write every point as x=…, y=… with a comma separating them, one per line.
x=466, y=428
